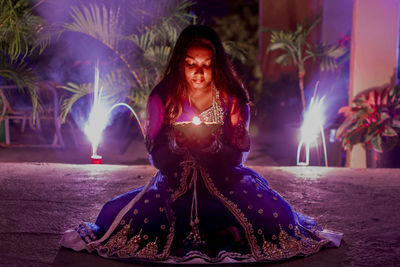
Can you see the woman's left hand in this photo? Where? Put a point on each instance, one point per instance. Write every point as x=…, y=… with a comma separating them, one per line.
x=201, y=143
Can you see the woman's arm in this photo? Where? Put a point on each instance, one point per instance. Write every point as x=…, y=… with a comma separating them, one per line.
x=233, y=146
x=157, y=141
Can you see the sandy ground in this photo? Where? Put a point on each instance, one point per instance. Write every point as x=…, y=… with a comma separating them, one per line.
x=41, y=200
x=44, y=191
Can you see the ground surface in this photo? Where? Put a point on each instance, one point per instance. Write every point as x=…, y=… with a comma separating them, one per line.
x=41, y=200
x=44, y=191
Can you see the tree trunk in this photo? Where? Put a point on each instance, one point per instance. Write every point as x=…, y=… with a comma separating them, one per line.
x=301, y=85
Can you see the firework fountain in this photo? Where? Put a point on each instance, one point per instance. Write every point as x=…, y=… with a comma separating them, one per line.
x=98, y=118
x=311, y=128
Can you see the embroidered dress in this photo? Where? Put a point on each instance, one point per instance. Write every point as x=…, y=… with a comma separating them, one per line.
x=202, y=207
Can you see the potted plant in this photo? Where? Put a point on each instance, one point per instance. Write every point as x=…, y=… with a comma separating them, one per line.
x=297, y=50
x=373, y=119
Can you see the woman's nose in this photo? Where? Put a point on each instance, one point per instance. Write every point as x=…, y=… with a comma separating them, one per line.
x=199, y=70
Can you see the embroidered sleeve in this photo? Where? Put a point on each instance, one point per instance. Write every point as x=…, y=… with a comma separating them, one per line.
x=157, y=136
x=239, y=120
x=232, y=147
x=215, y=146
x=240, y=137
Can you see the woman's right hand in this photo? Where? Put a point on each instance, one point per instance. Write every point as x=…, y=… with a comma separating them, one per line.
x=182, y=140
x=192, y=141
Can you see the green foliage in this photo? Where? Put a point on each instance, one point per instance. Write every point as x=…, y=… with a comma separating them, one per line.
x=22, y=35
x=239, y=33
x=142, y=52
x=297, y=51
x=373, y=118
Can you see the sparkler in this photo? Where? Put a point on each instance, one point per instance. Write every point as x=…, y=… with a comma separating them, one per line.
x=98, y=118
x=312, y=126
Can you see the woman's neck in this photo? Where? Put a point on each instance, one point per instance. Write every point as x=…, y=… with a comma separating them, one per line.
x=198, y=92
x=201, y=99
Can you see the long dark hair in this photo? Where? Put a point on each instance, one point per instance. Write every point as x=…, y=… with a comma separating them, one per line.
x=173, y=88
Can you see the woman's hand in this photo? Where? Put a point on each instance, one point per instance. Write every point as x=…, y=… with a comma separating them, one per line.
x=193, y=141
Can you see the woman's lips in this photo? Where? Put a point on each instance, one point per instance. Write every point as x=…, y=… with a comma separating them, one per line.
x=198, y=80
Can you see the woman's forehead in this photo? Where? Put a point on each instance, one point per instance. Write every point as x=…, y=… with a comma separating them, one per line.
x=199, y=52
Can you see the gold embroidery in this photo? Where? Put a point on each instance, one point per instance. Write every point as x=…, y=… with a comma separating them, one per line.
x=250, y=207
x=233, y=208
x=146, y=220
x=131, y=247
x=272, y=251
x=259, y=195
x=260, y=211
x=146, y=201
x=157, y=195
x=291, y=246
x=275, y=215
x=118, y=240
x=231, y=192
x=183, y=187
x=168, y=244
x=135, y=211
x=259, y=231
x=149, y=251
x=162, y=226
x=244, y=192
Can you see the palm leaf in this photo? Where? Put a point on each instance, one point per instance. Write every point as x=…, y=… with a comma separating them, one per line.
x=99, y=23
x=144, y=49
x=19, y=29
x=327, y=55
x=77, y=91
x=235, y=51
x=24, y=78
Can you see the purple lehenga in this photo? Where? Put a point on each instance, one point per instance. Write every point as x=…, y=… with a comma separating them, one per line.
x=201, y=207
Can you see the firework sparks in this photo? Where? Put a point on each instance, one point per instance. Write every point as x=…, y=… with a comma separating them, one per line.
x=310, y=130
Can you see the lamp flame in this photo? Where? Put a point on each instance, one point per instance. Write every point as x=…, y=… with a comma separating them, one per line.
x=196, y=120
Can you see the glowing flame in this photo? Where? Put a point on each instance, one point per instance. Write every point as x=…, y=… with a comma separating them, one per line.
x=99, y=116
x=313, y=121
x=196, y=120
x=311, y=128
x=95, y=126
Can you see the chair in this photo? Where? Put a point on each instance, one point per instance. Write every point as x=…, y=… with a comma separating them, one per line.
x=17, y=106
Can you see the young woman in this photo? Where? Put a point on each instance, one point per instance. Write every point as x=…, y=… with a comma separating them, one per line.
x=203, y=203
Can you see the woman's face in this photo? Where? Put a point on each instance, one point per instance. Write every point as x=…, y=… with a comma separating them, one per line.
x=198, y=67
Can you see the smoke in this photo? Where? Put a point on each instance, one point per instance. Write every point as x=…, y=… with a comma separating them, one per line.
x=71, y=56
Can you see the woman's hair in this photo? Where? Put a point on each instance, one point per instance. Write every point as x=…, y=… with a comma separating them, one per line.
x=173, y=88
